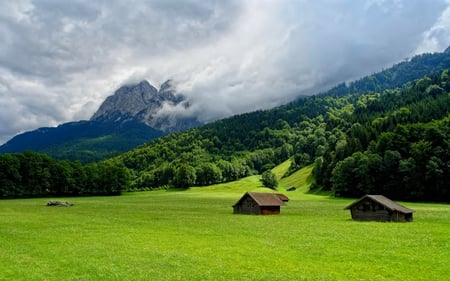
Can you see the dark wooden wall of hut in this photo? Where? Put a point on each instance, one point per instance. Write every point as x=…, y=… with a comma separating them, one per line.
x=247, y=206
x=270, y=210
x=401, y=217
x=361, y=215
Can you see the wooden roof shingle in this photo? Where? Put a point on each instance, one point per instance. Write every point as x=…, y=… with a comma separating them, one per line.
x=263, y=199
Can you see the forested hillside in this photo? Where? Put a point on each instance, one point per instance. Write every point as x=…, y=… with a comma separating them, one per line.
x=394, y=141
x=85, y=141
x=397, y=75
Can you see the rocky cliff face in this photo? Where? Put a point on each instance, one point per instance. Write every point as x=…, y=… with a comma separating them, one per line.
x=144, y=103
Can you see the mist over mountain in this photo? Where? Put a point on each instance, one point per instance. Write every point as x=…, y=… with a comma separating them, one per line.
x=133, y=115
x=164, y=110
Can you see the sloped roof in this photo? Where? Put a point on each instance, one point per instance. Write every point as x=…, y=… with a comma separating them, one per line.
x=283, y=197
x=263, y=199
x=388, y=203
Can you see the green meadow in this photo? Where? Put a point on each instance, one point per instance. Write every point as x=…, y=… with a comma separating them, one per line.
x=193, y=235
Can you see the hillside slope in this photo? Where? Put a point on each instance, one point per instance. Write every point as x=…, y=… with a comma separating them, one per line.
x=326, y=130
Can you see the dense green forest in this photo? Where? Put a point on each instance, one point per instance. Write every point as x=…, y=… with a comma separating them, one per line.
x=392, y=141
x=32, y=174
x=396, y=76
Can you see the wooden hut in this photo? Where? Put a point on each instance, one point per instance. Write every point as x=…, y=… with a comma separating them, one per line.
x=379, y=208
x=260, y=203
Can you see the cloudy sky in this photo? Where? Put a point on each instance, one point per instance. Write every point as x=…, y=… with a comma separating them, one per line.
x=60, y=59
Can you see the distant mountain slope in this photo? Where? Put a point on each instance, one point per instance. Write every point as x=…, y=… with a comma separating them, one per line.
x=130, y=117
x=86, y=141
x=397, y=75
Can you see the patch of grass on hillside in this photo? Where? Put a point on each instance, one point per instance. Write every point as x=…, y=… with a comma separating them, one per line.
x=301, y=179
x=251, y=183
x=282, y=169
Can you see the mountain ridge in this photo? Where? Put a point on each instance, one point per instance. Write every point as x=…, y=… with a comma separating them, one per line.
x=144, y=103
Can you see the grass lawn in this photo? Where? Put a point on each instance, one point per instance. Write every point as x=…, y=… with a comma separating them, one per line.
x=193, y=235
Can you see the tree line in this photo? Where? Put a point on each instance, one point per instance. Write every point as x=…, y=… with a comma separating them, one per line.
x=32, y=174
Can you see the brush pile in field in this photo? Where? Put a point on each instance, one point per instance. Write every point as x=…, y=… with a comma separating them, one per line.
x=59, y=203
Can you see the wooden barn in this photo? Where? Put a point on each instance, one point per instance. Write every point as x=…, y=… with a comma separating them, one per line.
x=258, y=203
x=379, y=208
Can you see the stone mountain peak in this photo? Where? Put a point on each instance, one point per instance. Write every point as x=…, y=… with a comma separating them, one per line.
x=143, y=102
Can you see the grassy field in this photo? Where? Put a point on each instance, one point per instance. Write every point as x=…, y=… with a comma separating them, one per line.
x=193, y=235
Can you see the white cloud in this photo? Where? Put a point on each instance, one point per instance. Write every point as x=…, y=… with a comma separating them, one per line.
x=437, y=38
x=59, y=60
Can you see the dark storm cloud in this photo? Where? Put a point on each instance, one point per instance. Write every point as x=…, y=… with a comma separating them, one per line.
x=60, y=59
